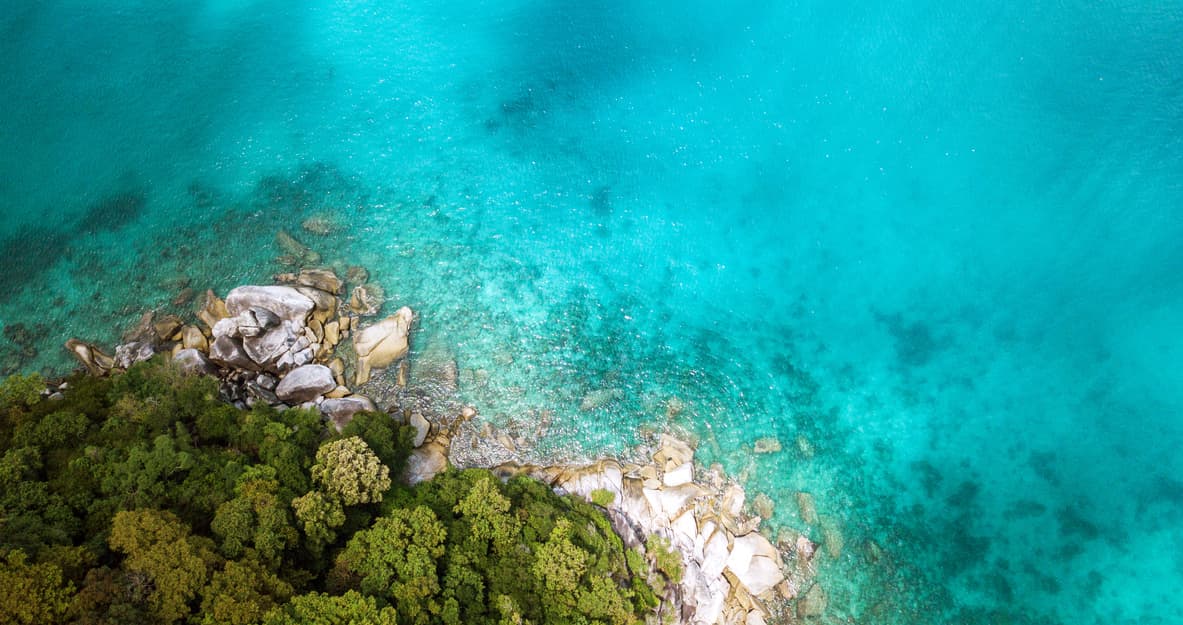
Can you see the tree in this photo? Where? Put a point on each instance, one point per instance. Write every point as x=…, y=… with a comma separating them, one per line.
x=559, y=567
x=391, y=442
x=21, y=390
x=350, y=608
x=559, y=564
x=349, y=470
x=319, y=516
x=33, y=594
x=159, y=546
x=242, y=593
x=143, y=478
x=257, y=517
x=397, y=559
x=57, y=429
x=487, y=513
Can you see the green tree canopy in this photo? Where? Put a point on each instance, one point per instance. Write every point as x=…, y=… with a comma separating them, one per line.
x=33, y=594
x=351, y=608
x=159, y=546
x=348, y=470
x=397, y=559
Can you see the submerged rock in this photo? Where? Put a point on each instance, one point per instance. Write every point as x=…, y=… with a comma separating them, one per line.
x=366, y=299
x=763, y=505
x=320, y=225
x=167, y=327
x=599, y=398
x=814, y=603
x=767, y=445
x=832, y=537
x=807, y=507
x=322, y=279
x=142, y=332
x=292, y=247
x=356, y=274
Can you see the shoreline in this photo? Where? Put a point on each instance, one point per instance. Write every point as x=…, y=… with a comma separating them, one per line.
x=303, y=343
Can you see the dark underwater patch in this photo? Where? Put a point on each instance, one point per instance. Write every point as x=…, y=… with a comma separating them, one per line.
x=915, y=343
x=27, y=254
x=113, y=212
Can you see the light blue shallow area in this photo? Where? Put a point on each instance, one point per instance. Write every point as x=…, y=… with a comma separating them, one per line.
x=937, y=251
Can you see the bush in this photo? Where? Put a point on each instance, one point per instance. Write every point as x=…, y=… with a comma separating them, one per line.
x=603, y=497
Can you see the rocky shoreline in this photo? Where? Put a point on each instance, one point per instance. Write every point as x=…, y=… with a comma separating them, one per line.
x=302, y=343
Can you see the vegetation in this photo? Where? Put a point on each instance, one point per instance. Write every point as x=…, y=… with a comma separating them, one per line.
x=603, y=497
x=143, y=498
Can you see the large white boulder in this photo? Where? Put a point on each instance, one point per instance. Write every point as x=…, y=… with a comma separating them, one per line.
x=714, y=555
x=305, y=384
x=755, y=563
x=284, y=301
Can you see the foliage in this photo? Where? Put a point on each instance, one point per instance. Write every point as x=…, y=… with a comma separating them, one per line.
x=21, y=390
x=397, y=558
x=666, y=560
x=159, y=547
x=33, y=593
x=348, y=470
x=603, y=497
x=352, y=608
x=142, y=498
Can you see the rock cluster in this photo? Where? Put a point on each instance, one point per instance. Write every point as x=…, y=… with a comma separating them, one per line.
x=732, y=573
x=274, y=344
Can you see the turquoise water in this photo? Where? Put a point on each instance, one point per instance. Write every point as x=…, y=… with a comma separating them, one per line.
x=934, y=250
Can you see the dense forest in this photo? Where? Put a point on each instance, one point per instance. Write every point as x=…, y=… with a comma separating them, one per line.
x=142, y=498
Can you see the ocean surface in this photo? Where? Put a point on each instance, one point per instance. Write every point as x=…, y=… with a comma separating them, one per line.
x=934, y=249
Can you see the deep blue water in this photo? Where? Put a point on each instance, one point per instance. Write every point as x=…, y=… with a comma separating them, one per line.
x=939, y=246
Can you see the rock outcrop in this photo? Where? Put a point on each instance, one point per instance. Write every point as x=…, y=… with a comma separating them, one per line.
x=732, y=573
x=268, y=343
x=379, y=345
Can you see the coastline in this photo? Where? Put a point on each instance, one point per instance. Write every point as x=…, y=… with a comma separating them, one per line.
x=302, y=342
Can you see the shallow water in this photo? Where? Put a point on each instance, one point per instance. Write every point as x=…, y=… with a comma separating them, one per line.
x=933, y=250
